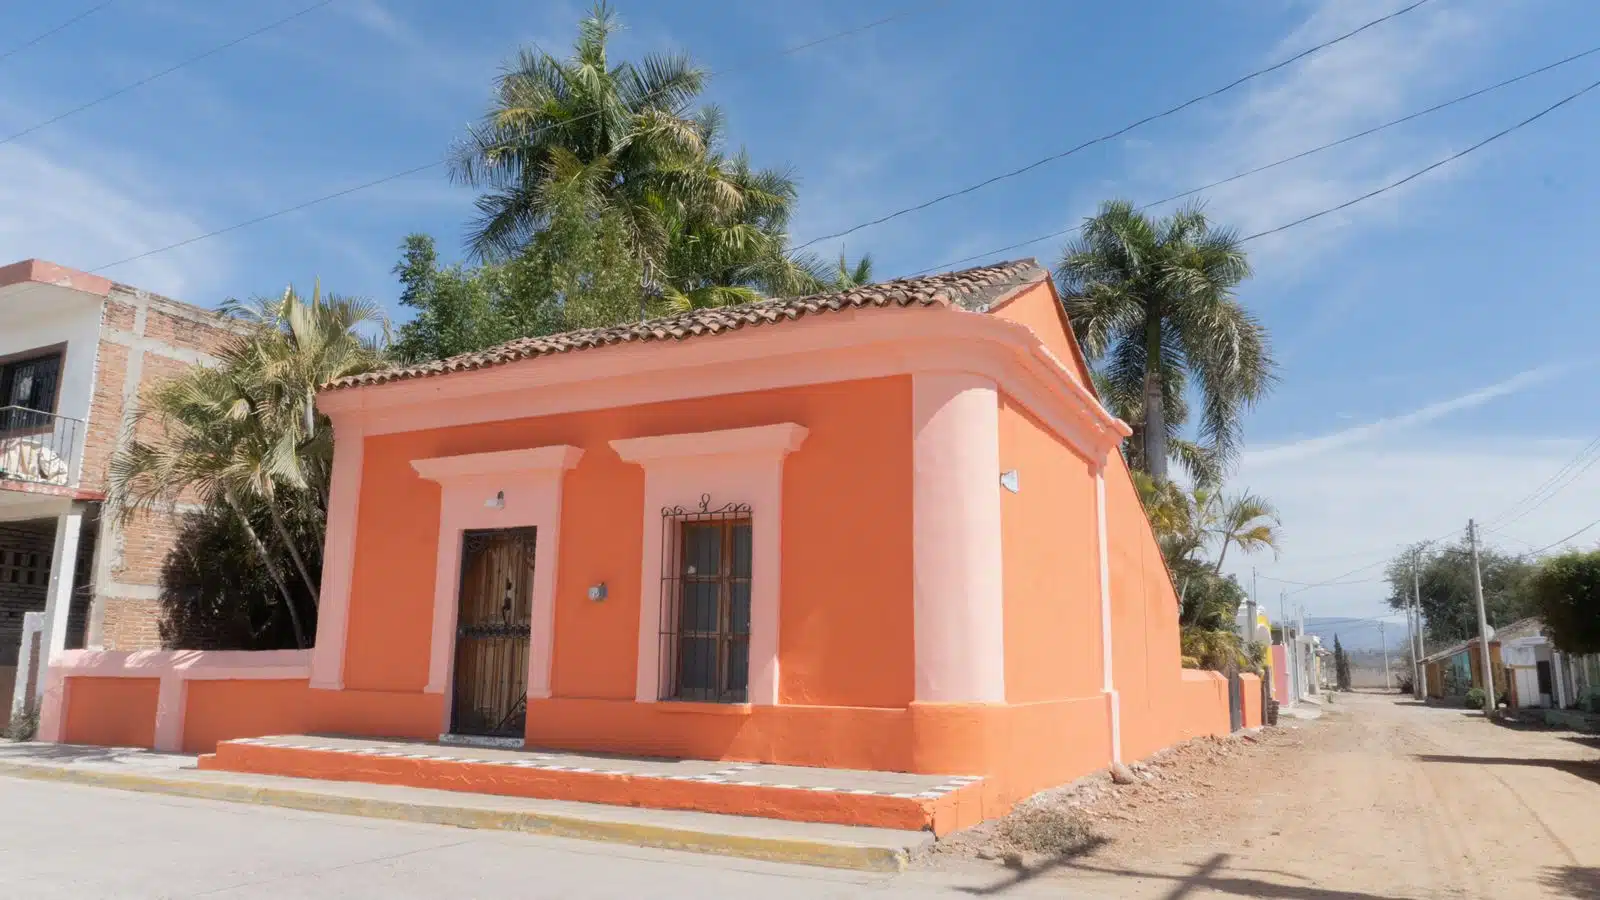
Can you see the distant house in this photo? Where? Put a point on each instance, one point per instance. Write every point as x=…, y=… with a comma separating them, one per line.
x=1541, y=676
x=1457, y=669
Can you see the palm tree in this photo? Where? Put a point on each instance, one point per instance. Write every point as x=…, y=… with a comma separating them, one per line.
x=244, y=434
x=846, y=277
x=622, y=133
x=1138, y=290
x=1246, y=521
x=209, y=446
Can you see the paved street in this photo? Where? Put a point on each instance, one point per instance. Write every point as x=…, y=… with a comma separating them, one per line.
x=1382, y=800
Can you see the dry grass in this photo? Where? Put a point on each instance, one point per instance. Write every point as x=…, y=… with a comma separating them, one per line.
x=1043, y=829
x=21, y=727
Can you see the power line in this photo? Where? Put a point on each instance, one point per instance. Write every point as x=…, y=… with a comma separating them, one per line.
x=787, y=51
x=1285, y=160
x=62, y=27
x=1112, y=135
x=165, y=72
x=1322, y=583
x=1585, y=451
x=1426, y=169
x=1565, y=539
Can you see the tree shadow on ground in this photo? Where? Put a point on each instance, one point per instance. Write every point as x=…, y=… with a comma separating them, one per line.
x=1209, y=876
x=1588, y=770
x=1587, y=740
x=1577, y=882
x=1018, y=872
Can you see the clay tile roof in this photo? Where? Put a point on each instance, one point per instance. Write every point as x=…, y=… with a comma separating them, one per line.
x=970, y=289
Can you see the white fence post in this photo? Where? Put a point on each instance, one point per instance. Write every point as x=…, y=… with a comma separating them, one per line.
x=21, y=690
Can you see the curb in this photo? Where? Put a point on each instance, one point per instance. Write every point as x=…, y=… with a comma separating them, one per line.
x=835, y=855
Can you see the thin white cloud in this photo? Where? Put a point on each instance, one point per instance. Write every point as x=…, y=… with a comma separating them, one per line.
x=1382, y=73
x=1360, y=434
x=76, y=211
x=1361, y=506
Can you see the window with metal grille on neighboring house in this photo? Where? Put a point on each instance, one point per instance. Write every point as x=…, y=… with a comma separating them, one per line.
x=705, y=608
x=28, y=390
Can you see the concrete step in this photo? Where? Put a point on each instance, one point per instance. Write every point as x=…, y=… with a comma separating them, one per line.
x=892, y=800
x=810, y=843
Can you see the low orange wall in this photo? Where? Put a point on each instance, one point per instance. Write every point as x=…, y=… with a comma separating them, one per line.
x=1202, y=705
x=111, y=712
x=1252, y=700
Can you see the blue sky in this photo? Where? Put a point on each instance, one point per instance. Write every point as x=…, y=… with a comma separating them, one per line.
x=1436, y=342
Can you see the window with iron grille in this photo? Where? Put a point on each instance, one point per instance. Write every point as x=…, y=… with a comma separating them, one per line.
x=705, y=603
x=28, y=390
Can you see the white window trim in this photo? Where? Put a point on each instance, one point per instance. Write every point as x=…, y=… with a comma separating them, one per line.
x=738, y=465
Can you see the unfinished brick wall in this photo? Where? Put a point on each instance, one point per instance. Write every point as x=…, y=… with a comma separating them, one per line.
x=145, y=340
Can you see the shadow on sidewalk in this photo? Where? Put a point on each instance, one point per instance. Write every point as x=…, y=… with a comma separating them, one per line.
x=1208, y=876
x=1576, y=882
x=1586, y=770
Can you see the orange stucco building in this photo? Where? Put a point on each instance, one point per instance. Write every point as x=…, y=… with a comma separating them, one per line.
x=885, y=530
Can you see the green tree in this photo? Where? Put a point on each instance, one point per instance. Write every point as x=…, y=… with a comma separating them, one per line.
x=1246, y=521
x=244, y=437
x=1152, y=303
x=845, y=277
x=1565, y=592
x=1449, y=608
x=579, y=145
x=1341, y=665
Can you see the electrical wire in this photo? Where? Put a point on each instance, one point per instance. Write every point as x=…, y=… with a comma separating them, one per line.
x=904, y=13
x=1112, y=135
x=164, y=72
x=1472, y=95
x=1426, y=169
x=59, y=28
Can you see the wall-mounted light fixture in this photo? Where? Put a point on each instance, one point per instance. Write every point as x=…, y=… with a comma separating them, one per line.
x=1011, y=481
x=498, y=501
x=597, y=592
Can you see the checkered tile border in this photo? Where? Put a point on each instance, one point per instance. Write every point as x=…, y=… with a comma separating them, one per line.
x=731, y=774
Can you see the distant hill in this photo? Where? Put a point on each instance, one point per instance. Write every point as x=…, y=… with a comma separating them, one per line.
x=1358, y=635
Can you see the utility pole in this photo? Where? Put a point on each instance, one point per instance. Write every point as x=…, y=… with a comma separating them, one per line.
x=1483, y=622
x=1421, y=648
x=1387, y=685
x=1289, y=679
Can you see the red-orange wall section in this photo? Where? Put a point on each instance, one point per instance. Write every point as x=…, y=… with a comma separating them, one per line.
x=111, y=712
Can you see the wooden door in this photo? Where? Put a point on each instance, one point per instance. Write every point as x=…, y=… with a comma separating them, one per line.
x=492, y=630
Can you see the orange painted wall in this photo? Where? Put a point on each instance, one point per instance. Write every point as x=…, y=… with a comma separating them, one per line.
x=1038, y=309
x=1252, y=700
x=1144, y=622
x=846, y=634
x=1050, y=565
x=1202, y=706
x=111, y=712
x=222, y=710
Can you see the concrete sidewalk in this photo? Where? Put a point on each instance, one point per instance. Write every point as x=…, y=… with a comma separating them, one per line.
x=836, y=846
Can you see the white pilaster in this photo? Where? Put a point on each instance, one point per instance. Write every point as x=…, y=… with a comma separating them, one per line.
x=58, y=601
x=958, y=599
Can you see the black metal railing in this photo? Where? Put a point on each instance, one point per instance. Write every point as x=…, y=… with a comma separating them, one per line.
x=38, y=447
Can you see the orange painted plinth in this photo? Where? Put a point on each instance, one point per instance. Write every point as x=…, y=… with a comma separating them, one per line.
x=957, y=809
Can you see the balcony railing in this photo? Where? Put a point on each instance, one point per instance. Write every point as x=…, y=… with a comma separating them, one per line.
x=38, y=447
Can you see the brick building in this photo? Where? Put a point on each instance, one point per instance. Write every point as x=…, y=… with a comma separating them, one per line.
x=76, y=350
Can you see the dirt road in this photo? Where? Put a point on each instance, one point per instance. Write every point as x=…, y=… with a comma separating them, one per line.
x=1382, y=798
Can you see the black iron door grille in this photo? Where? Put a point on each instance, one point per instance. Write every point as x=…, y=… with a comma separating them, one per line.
x=705, y=603
x=492, y=629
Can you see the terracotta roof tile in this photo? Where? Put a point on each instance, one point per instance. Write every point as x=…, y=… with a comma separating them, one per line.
x=970, y=289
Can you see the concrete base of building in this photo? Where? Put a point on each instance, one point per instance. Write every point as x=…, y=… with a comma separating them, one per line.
x=808, y=843
x=892, y=800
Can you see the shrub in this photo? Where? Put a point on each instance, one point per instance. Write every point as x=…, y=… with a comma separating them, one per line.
x=22, y=727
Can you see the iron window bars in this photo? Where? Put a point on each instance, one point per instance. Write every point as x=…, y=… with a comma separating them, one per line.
x=705, y=603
